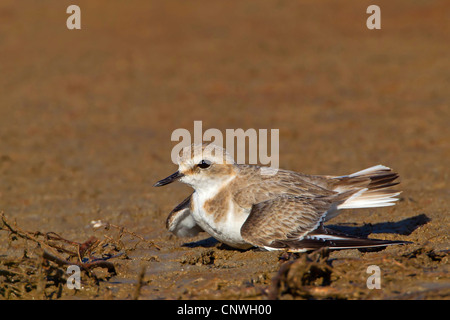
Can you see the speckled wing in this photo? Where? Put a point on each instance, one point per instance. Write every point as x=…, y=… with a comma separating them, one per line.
x=296, y=224
x=180, y=221
x=254, y=187
x=284, y=218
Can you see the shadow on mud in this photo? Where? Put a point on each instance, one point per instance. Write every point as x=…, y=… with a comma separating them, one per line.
x=204, y=243
x=403, y=227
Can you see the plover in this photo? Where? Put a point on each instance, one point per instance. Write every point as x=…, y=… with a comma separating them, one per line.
x=243, y=208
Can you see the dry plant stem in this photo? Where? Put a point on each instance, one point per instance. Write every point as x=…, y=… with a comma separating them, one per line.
x=53, y=256
x=32, y=236
x=124, y=230
x=84, y=266
x=139, y=284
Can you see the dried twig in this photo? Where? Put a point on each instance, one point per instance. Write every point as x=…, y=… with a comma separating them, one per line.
x=32, y=236
x=85, y=266
x=122, y=230
x=139, y=284
x=82, y=248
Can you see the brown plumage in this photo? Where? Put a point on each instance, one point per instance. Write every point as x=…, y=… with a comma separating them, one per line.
x=242, y=207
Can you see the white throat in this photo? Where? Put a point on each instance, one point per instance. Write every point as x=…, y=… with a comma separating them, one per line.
x=207, y=188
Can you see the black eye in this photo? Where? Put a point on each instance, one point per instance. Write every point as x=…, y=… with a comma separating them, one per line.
x=204, y=164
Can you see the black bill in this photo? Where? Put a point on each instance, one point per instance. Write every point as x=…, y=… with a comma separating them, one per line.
x=173, y=177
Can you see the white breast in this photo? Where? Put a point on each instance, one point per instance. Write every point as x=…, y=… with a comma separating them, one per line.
x=227, y=230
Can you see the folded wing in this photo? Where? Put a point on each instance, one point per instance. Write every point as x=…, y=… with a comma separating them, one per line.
x=180, y=221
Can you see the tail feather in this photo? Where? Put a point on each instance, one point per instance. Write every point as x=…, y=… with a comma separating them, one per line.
x=324, y=237
x=371, y=188
x=368, y=188
x=370, y=171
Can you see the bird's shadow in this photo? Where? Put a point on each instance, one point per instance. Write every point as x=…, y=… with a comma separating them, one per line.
x=204, y=243
x=209, y=243
x=403, y=227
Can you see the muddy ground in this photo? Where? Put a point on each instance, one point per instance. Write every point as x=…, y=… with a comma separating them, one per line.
x=86, y=118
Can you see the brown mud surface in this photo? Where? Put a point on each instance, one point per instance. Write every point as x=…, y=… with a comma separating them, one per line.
x=86, y=118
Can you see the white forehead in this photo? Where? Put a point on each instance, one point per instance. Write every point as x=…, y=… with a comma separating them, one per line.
x=191, y=155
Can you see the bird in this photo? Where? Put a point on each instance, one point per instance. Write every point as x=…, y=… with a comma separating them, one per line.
x=244, y=207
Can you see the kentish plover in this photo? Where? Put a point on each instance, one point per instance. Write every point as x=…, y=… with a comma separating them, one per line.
x=242, y=207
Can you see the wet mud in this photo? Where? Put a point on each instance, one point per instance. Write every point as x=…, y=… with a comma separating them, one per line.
x=86, y=118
